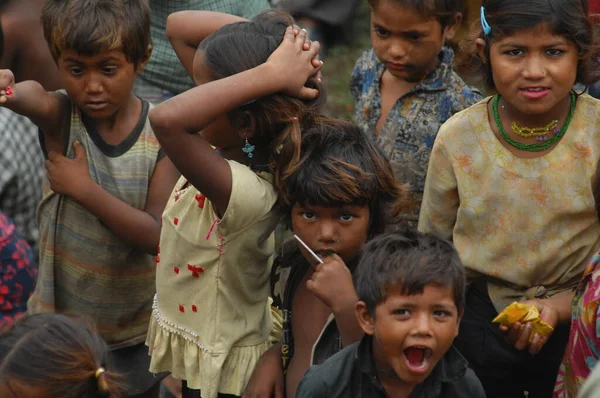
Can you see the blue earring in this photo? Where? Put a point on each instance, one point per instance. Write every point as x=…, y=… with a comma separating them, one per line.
x=487, y=29
x=248, y=149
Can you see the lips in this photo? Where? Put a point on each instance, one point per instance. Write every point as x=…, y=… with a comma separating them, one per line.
x=417, y=358
x=534, y=92
x=395, y=66
x=324, y=252
x=97, y=105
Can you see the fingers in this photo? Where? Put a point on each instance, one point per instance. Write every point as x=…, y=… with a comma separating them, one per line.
x=289, y=34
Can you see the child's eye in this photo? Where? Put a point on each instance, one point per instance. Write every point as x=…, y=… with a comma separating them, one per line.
x=442, y=314
x=515, y=53
x=401, y=312
x=347, y=217
x=554, y=52
x=380, y=31
x=413, y=36
x=75, y=70
x=308, y=216
x=109, y=70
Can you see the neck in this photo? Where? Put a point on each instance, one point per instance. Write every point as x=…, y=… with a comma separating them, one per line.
x=558, y=112
x=261, y=155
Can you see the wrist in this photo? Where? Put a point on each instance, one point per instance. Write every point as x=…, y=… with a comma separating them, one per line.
x=346, y=302
x=85, y=190
x=274, y=82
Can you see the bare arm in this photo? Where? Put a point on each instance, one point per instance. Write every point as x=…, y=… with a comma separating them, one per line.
x=30, y=99
x=187, y=29
x=177, y=120
x=140, y=228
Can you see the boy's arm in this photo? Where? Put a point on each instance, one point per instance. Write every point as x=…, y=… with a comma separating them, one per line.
x=440, y=198
x=140, y=228
x=31, y=100
x=267, y=378
x=187, y=29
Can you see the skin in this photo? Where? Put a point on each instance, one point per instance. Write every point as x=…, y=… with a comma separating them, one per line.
x=534, y=57
x=408, y=44
x=100, y=85
x=553, y=311
x=336, y=234
x=429, y=319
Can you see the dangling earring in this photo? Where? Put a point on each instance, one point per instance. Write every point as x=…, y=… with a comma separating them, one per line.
x=248, y=149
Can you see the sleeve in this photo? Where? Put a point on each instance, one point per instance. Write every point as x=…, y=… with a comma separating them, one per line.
x=313, y=385
x=252, y=199
x=473, y=386
x=356, y=81
x=440, y=198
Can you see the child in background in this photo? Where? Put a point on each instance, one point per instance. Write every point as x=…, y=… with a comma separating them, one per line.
x=17, y=272
x=412, y=295
x=405, y=87
x=212, y=319
x=107, y=178
x=342, y=194
x=54, y=356
x=509, y=183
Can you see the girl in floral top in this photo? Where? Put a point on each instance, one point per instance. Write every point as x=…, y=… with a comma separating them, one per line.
x=509, y=183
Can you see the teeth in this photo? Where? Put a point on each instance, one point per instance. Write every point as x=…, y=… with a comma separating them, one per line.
x=535, y=89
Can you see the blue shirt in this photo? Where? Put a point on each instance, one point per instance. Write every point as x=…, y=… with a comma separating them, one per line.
x=412, y=124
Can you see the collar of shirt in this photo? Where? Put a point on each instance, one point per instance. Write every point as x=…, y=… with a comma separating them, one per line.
x=449, y=369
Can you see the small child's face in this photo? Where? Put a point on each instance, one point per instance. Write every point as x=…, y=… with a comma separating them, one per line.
x=405, y=41
x=99, y=84
x=328, y=230
x=412, y=333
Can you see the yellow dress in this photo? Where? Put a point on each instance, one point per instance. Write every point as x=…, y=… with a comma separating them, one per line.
x=211, y=317
x=529, y=226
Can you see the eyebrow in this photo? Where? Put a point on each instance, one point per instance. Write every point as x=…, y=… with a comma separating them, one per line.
x=102, y=61
x=402, y=32
x=520, y=45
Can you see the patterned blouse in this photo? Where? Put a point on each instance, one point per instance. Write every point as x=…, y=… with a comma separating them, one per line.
x=527, y=226
x=583, y=350
x=412, y=124
x=17, y=272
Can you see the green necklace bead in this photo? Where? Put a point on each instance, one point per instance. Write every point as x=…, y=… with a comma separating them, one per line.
x=538, y=146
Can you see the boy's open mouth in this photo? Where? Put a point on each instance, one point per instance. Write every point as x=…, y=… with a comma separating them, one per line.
x=417, y=358
x=324, y=253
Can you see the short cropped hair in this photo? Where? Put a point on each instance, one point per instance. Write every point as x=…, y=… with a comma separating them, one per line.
x=412, y=260
x=442, y=10
x=92, y=26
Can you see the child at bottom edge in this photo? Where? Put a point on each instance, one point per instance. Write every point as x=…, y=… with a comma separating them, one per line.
x=411, y=291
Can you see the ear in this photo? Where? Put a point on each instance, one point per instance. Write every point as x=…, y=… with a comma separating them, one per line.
x=480, y=45
x=450, y=30
x=458, y=320
x=145, y=60
x=365, y=320
x=246, y=124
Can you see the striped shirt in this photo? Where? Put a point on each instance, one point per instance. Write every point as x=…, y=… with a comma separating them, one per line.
x=85, y=268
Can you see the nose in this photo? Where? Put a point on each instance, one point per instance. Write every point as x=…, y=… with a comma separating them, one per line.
x=534, y=67
x=94, y=84
x=327, y=232
x=422, y=325
x=398, y=49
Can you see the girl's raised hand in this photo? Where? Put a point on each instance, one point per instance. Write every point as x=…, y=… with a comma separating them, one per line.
x=291, y=65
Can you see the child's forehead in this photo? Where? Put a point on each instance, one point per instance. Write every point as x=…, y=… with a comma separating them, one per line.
x=70, y=54
x=431, y=294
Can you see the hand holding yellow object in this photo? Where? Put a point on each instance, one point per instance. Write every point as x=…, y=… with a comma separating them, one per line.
x=523, y=313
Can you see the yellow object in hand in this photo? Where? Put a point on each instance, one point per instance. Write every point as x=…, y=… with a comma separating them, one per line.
x=517, y=312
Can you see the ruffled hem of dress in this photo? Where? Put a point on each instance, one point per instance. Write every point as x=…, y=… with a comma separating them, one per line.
x=174, y=350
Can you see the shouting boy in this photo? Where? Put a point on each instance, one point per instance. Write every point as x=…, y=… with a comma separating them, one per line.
x=411, y=291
